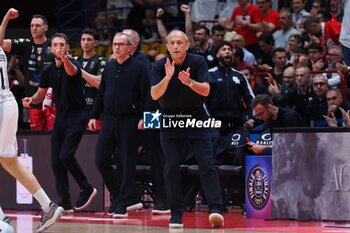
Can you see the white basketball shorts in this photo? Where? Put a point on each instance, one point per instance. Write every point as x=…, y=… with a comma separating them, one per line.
x=8, y=125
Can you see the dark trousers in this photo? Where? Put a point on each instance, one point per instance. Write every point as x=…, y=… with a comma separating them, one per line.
x=121, y=134
x=201, y=146
x=155, y=156
x=66, y=135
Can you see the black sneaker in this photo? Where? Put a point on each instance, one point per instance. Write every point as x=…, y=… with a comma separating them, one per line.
x=85, y=198
x=176, y=222
x=6, y=220
x=120, y=212
x=50, y=217
x=216, y=218
x=67, y=206
x=112, y=208
x=161, y=208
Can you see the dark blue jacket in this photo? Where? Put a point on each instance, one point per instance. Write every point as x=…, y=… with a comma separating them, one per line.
x=227, y=89
x=122, y=91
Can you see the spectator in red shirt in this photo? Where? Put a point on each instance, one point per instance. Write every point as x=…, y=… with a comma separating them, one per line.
x=270, y=17
x=327, y=32
x=246, y=20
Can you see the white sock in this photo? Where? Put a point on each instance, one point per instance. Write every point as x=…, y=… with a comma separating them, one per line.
x=2, y=215
x=43, y=199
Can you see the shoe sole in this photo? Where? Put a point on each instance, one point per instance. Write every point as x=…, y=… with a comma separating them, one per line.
x=120, y=215
x=92, y=196
x=160, y=212
x=134, y=207
x=110, y=214
x=58, y=213
x=176, y=225
x=216, y=220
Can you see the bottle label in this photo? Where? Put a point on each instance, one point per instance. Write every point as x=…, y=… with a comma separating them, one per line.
x=23, y=196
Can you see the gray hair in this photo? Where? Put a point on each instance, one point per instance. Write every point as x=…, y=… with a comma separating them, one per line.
x=128, y=40
x=133, y=34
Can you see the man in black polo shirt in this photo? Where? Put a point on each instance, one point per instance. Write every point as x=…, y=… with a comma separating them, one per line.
x=180, y=84
x=64, y=77
x=92, y=66
x=36, y=54
x=273, y=116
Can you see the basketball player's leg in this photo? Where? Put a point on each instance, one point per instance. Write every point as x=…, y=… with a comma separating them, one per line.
x=9, y=161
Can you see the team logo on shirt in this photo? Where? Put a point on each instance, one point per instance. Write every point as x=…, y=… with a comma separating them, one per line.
x=39, y=50
x=151, y=120
x=258, y=187
x=2, y=57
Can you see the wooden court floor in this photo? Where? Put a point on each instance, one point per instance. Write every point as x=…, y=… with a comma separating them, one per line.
x=145, y=222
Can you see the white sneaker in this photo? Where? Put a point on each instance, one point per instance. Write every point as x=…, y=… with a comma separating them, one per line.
x=135, y=206
x=5, y=226
x=50, y=217
x=216, y=219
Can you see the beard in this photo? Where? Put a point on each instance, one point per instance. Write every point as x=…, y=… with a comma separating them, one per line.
x=225, y=61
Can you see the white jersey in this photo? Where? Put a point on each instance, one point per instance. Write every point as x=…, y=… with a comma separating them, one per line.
x=5, y=93
x=4, y=80
x=8, y=113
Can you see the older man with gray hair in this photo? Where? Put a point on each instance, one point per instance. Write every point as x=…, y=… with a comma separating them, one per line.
x=317, y=106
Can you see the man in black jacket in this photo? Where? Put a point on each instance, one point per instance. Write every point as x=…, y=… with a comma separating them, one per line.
x=121, y=96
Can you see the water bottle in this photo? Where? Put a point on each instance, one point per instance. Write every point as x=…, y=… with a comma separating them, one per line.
x=198, y=203
x=47, y=102
x=23, y=196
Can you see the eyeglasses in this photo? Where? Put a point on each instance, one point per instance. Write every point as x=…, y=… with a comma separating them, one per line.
x=260, y=3
x=120, y=44
x=260, y=113
x=288, y=77
x=319, y=84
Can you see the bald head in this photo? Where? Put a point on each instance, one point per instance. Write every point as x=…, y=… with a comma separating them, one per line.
x=177, y=33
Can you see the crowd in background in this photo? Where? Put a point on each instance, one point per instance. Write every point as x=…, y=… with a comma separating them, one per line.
x=283, y=65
